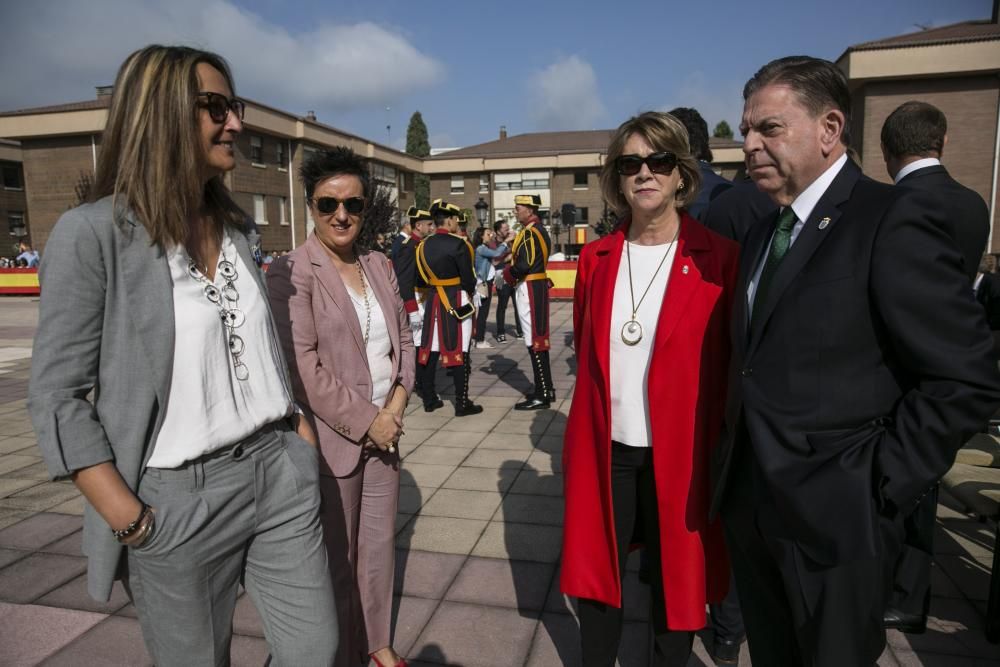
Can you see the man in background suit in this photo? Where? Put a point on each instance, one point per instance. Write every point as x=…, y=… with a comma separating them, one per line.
x=844, y=406
x=913, y=139
x=712, y=185
x=736, y=210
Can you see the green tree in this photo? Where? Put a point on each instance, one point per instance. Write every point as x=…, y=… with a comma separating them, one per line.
x=722, y=131
x=418, y=145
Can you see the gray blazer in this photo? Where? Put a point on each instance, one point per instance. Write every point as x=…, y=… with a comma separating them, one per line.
x=105, y=325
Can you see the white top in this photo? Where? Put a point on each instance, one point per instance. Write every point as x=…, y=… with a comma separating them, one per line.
x=630, y=424
x=913, y=166
x=379, y=349
x=208, y=407
x=803, y=207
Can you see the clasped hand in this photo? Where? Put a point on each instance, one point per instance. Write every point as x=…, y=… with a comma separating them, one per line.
x=385, y=430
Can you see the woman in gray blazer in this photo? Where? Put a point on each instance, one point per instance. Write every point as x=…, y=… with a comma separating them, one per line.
x=159, y=388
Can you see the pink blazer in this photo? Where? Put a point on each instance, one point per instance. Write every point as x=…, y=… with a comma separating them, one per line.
x=324, y=345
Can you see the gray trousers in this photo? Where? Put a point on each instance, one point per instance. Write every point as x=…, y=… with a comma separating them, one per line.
x=249, y=514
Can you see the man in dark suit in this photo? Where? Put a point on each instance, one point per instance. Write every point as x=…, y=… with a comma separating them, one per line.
x=712, y=185
x=845, y=407
x=736, y=210
x=913, y=141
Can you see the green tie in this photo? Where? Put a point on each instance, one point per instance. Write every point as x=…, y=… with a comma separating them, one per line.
x=780, y=243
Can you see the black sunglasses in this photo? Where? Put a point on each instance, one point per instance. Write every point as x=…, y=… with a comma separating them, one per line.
x=219, y=106
x=658, y=163
x=329, y=205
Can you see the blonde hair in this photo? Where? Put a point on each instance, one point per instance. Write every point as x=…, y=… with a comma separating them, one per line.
x=151, y=152
x=662, y=132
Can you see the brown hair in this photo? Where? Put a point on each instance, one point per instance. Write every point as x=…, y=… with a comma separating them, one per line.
x=664, y=133
x=915, y=128
x=151, y=152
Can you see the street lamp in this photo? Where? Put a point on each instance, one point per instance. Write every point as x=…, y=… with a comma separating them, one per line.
x=482, y=211
x=556, y=226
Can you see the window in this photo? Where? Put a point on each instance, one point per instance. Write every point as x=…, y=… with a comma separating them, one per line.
x=579, y=180
x=15, y=222
x=507, y=181
x=381, y=172
x=457, y=185
x=283, y=210
x=282, y=162
x=582, y=215
x=484, y=183
x=256, y=150
x=259, y=210
x=407, y=181
x=529, y=180
x=12, y=177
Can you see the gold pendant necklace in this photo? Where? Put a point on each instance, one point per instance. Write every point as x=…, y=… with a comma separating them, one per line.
x=632, y=329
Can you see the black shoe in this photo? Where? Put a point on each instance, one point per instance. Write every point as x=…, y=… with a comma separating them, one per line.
x=467, y=408
x=532, y=403
x=501, y=338
x=431, y=406
x=726, y=651
x=518, y=335
x=914, y=624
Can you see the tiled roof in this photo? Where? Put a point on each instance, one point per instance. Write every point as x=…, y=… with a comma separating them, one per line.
x=99, y=103
x=967, y=31
x=549, y=143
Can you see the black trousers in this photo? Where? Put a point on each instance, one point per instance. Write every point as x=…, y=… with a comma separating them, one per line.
x=484, y=311
x=633, y=497
x=798, y=612
x=506, y=293
x=911, y=586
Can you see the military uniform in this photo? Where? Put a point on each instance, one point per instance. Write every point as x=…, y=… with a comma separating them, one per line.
x=404, y=262
x=527, y=270
x=445, y=269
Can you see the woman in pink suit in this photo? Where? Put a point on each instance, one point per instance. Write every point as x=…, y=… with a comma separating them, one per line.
x=651, y=329
x=347, y=338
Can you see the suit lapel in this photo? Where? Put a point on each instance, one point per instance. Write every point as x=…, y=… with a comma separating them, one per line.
x=602, y=296
x=148, y=280
x=809, y=239
x=750, y=258
x=685, y=279
x=327, y=276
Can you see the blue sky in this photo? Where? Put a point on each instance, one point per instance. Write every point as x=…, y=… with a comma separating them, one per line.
x=468, y=67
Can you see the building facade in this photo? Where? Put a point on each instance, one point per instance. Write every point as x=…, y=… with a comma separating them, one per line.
x=13, y=202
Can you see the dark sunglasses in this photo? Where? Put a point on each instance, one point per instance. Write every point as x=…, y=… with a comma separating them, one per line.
x=658, y=163
x=219, y=106
x=329, y=205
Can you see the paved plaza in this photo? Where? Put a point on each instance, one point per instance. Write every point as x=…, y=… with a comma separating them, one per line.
x=478, y=541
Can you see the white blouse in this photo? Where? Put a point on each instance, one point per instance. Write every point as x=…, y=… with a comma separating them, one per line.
x=208, y=407
x=379, y=349
x=630, y=424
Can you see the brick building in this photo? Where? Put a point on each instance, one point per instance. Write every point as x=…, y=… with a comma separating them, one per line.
x=562, y=167
x=13, y=203
x=59, y=147
x=957, y=69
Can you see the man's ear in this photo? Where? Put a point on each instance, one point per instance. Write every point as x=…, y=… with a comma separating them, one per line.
x=832, y=126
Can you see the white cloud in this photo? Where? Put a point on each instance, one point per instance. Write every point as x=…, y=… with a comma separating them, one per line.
x=57, y=51
x=715, y=100
x=564, y=96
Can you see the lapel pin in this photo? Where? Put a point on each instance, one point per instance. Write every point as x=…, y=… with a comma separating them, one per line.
x=824, y=222
x=684, y=269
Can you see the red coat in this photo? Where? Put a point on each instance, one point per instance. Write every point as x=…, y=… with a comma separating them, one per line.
x=687, y=389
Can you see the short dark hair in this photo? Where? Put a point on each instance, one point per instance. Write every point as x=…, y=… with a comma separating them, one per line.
x=339, y=160
x=818, y=83
x=498, y=224
x=914, y=128
x=697, y=131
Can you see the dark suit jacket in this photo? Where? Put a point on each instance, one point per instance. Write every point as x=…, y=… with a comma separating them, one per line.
x=736, y=210
x=712, y=185
x=868, y=366
x=967, y=219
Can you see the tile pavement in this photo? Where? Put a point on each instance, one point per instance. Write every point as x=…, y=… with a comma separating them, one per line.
x=477, y=546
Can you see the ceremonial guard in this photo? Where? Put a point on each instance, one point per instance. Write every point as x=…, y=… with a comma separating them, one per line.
x=404, y=262
x=445, y=268
x=529, y=258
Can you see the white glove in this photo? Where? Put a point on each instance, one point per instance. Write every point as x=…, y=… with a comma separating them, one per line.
x=416, y=320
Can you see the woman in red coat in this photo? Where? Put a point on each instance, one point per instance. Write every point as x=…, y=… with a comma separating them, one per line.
x=651, y=328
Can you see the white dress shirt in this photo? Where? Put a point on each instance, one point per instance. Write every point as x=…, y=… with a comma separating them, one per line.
x=629, y=364
x=208, y=408
x=913, y=166
x=379, y=348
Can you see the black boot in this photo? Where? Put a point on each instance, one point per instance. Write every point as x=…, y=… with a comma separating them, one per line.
x=463, y=406
x=431, y=400
x=545, y=371
x=538, y=398
x=418, y=376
